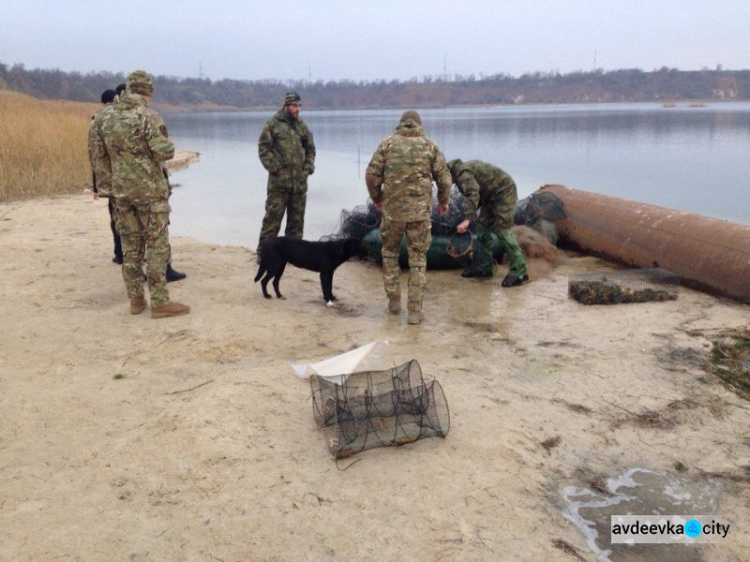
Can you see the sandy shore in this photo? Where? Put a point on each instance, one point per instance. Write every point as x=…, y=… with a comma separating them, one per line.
x=190, y=438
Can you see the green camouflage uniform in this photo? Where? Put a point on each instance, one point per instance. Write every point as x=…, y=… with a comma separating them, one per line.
x=400, y=177
x=130, y=146
x=490, y=189
x=287, y=151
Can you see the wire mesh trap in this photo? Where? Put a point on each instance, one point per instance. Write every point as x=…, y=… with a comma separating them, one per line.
x=627, y=286
x=379, y=409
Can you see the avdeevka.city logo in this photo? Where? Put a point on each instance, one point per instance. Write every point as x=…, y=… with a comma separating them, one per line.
x=693, y=528
x=666, y=529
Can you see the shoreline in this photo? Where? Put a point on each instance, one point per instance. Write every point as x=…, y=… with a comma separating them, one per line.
x=191, y=437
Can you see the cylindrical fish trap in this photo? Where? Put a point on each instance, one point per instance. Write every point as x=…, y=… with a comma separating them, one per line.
x=379, y=409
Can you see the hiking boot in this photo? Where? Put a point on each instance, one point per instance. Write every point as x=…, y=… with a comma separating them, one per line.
x=512, y=280
x=394, y=305
x=173, y=275
x=117, y=260
x=169, y=309
x=415, y=317
x=137, y=305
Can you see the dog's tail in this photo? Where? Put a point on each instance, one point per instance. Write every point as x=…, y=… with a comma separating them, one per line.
x=261, y=271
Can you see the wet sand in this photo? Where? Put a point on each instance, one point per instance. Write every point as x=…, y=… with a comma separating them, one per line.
x=190, y=438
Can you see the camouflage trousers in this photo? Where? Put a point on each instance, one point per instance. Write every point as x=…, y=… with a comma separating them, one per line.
x=143, y=228
x=278, y=201
x=497, y=216
x=418, y=240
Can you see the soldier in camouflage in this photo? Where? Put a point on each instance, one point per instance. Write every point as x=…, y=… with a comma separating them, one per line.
x=107, y=97
x=399, y=179
x=287, y=151
x=131, y=145
x=488, y=187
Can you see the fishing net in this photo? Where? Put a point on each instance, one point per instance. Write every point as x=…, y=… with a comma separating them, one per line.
x=481, y=252
x=626, y=286
x=379, y=409
x=356, y=223
x=539, y=206
x=446, y=225
x=539, y=211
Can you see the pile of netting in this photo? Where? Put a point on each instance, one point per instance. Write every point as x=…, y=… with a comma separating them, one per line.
x=479, y=248
x=532, y=211
x=378, y=409
x=363, y=219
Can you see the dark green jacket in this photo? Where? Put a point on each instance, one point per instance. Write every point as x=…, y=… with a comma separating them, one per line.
x=482, y=184
x=287, y=150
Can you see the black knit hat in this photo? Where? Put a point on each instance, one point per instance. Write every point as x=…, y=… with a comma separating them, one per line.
x=108, y=96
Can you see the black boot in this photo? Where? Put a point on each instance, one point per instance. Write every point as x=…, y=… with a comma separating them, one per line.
x=468, y=271
x=173, y=275
x=512, y=280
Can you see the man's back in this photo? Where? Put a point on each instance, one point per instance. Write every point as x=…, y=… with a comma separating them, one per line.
x=486, y=174
x=405, y=164
x=136, y=144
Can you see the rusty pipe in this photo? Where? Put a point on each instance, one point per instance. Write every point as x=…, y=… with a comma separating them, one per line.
x=708, y=254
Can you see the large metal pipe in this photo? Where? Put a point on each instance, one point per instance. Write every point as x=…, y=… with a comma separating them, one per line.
x=707, y=253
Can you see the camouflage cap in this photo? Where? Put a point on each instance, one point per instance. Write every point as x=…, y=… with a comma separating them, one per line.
x=411, y=115
x=292, y=98
x=140, y=82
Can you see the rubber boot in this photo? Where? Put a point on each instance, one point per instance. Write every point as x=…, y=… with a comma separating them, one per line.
x=173, y=275
x=512, y=280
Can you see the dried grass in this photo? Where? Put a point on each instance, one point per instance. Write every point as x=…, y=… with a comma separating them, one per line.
x=43, y=146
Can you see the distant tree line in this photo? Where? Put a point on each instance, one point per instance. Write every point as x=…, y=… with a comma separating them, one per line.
x=627, y=85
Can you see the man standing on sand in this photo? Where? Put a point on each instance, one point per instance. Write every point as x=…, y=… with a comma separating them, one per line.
x=171, y=274
x=286, y=149
x=399, y=179
x=107, y=97
x=131, y=147
x=488, y=187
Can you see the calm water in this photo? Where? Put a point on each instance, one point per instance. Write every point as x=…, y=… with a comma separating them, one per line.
x=687, y=158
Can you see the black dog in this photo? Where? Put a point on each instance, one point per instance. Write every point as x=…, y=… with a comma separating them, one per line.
x=323, y=257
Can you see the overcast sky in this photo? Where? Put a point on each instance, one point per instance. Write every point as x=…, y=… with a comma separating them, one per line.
x=336, y=39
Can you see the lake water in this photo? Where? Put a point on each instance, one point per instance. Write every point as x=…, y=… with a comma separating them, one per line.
x=694, y=159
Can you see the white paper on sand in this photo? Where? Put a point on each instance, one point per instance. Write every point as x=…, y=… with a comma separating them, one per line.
x=371, y=357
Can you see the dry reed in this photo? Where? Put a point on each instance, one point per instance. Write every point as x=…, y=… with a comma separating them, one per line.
x=43, y=146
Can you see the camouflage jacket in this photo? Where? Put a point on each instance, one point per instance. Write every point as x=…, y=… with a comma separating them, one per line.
x=401, y=171
x=130, y=144
x=102, y=185
x=481, y=183
x=287, y=150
